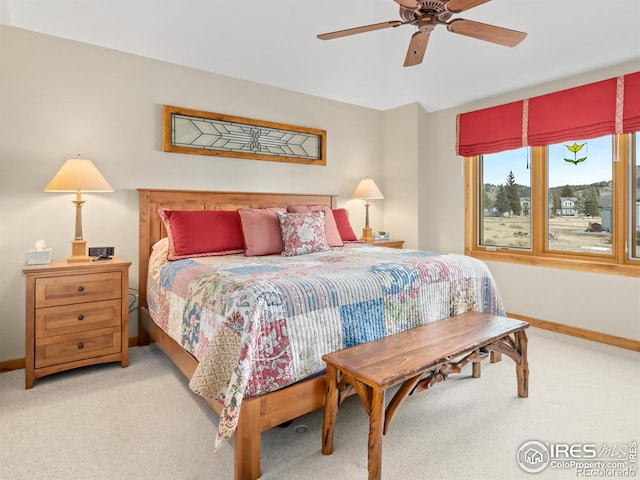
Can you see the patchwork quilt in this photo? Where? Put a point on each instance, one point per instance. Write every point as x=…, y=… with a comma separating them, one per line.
x=257, y=324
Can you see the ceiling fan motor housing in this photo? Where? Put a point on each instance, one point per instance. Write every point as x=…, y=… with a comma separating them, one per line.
x=435, y=8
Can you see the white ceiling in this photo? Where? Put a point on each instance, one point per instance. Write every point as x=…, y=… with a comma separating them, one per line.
x=273, y=42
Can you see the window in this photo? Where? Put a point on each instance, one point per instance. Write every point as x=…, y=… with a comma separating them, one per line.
x=579, y=192
x=565, y=205
x=506, y=200
x=578, y=207
x=634, y=197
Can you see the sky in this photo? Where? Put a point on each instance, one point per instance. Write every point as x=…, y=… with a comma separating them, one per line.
x=596, y=168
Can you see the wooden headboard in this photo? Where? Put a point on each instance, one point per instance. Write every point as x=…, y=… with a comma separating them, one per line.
x=152, y=230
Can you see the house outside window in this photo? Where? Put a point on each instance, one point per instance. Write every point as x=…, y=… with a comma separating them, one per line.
x=568, y=206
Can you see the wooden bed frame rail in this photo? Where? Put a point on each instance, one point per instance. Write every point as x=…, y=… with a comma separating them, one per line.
x=257, y=414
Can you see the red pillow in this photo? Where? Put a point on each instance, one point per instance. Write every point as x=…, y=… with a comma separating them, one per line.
x=261, y=230
x=198, y=233
x=333, y=235
x=341, y=216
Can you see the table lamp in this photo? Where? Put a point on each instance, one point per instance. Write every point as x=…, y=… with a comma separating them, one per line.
x=78, y=175
x=367, y=190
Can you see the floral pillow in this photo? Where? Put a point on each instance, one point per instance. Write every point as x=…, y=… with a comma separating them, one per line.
x=303, y=232
x=332, y=232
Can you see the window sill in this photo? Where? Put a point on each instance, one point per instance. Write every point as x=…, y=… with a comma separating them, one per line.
x=591, y=265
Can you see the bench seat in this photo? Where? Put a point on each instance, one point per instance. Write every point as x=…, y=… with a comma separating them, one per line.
x=416, y=358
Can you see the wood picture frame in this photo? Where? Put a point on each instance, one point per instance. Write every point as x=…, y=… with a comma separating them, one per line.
x=198, y=132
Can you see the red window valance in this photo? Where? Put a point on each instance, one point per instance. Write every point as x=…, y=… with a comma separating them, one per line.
x=490, y=130
x=579, y=113
x=631, y=106
x=589, y=111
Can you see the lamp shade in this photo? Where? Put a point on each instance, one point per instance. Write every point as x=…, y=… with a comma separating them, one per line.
x=78, y=175
x=368, y=190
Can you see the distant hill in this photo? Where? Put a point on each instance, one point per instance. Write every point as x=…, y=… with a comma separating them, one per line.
x=525, y=192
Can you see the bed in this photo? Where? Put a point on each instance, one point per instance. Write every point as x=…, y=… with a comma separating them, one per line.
x=248, y=400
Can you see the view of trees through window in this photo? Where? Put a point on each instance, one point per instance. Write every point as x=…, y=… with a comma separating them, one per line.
x=506, y=202
x=580, y=191
x=579, y=187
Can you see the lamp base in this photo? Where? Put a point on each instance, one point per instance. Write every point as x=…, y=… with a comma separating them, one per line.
x=78, y=252
x=367, y=235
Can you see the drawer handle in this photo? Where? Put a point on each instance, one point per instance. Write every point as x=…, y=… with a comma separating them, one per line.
x=80, y=346
x=81, y=288
x=80, y=317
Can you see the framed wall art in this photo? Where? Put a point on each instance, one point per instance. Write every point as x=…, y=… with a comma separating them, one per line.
x=207, y=133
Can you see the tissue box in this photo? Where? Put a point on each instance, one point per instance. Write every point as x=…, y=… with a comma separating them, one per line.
x=38, y=257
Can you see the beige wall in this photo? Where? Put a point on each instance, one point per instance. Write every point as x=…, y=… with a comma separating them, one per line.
x=400, y=166
x=59, y=98
x=603, y=303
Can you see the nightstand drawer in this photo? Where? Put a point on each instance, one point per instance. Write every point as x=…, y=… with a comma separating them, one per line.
x=90, y=287
x=77, y=346
x=77, y=317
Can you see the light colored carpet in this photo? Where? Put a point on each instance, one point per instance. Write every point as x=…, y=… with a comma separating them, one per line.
x=106, y=422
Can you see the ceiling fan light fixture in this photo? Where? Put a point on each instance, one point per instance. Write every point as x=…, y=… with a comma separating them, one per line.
x=427, y=23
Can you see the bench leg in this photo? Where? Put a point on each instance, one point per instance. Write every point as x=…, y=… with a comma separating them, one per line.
x=330, y=410
x=476, y=366
x=376, y=423
x=522, y=367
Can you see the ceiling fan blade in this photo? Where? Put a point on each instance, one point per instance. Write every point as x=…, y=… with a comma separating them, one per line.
x=353, y=31
x=489, y=33
x=457, y=6
x=417, y=47
x=411, y=4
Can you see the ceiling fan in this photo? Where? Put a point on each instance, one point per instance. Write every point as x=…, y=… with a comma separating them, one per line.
x=425, y=15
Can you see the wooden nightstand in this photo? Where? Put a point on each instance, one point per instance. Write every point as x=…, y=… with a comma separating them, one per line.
x=388, y=243
x=77, y=314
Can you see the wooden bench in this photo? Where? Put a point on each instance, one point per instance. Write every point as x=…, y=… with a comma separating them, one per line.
x=418, y=358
